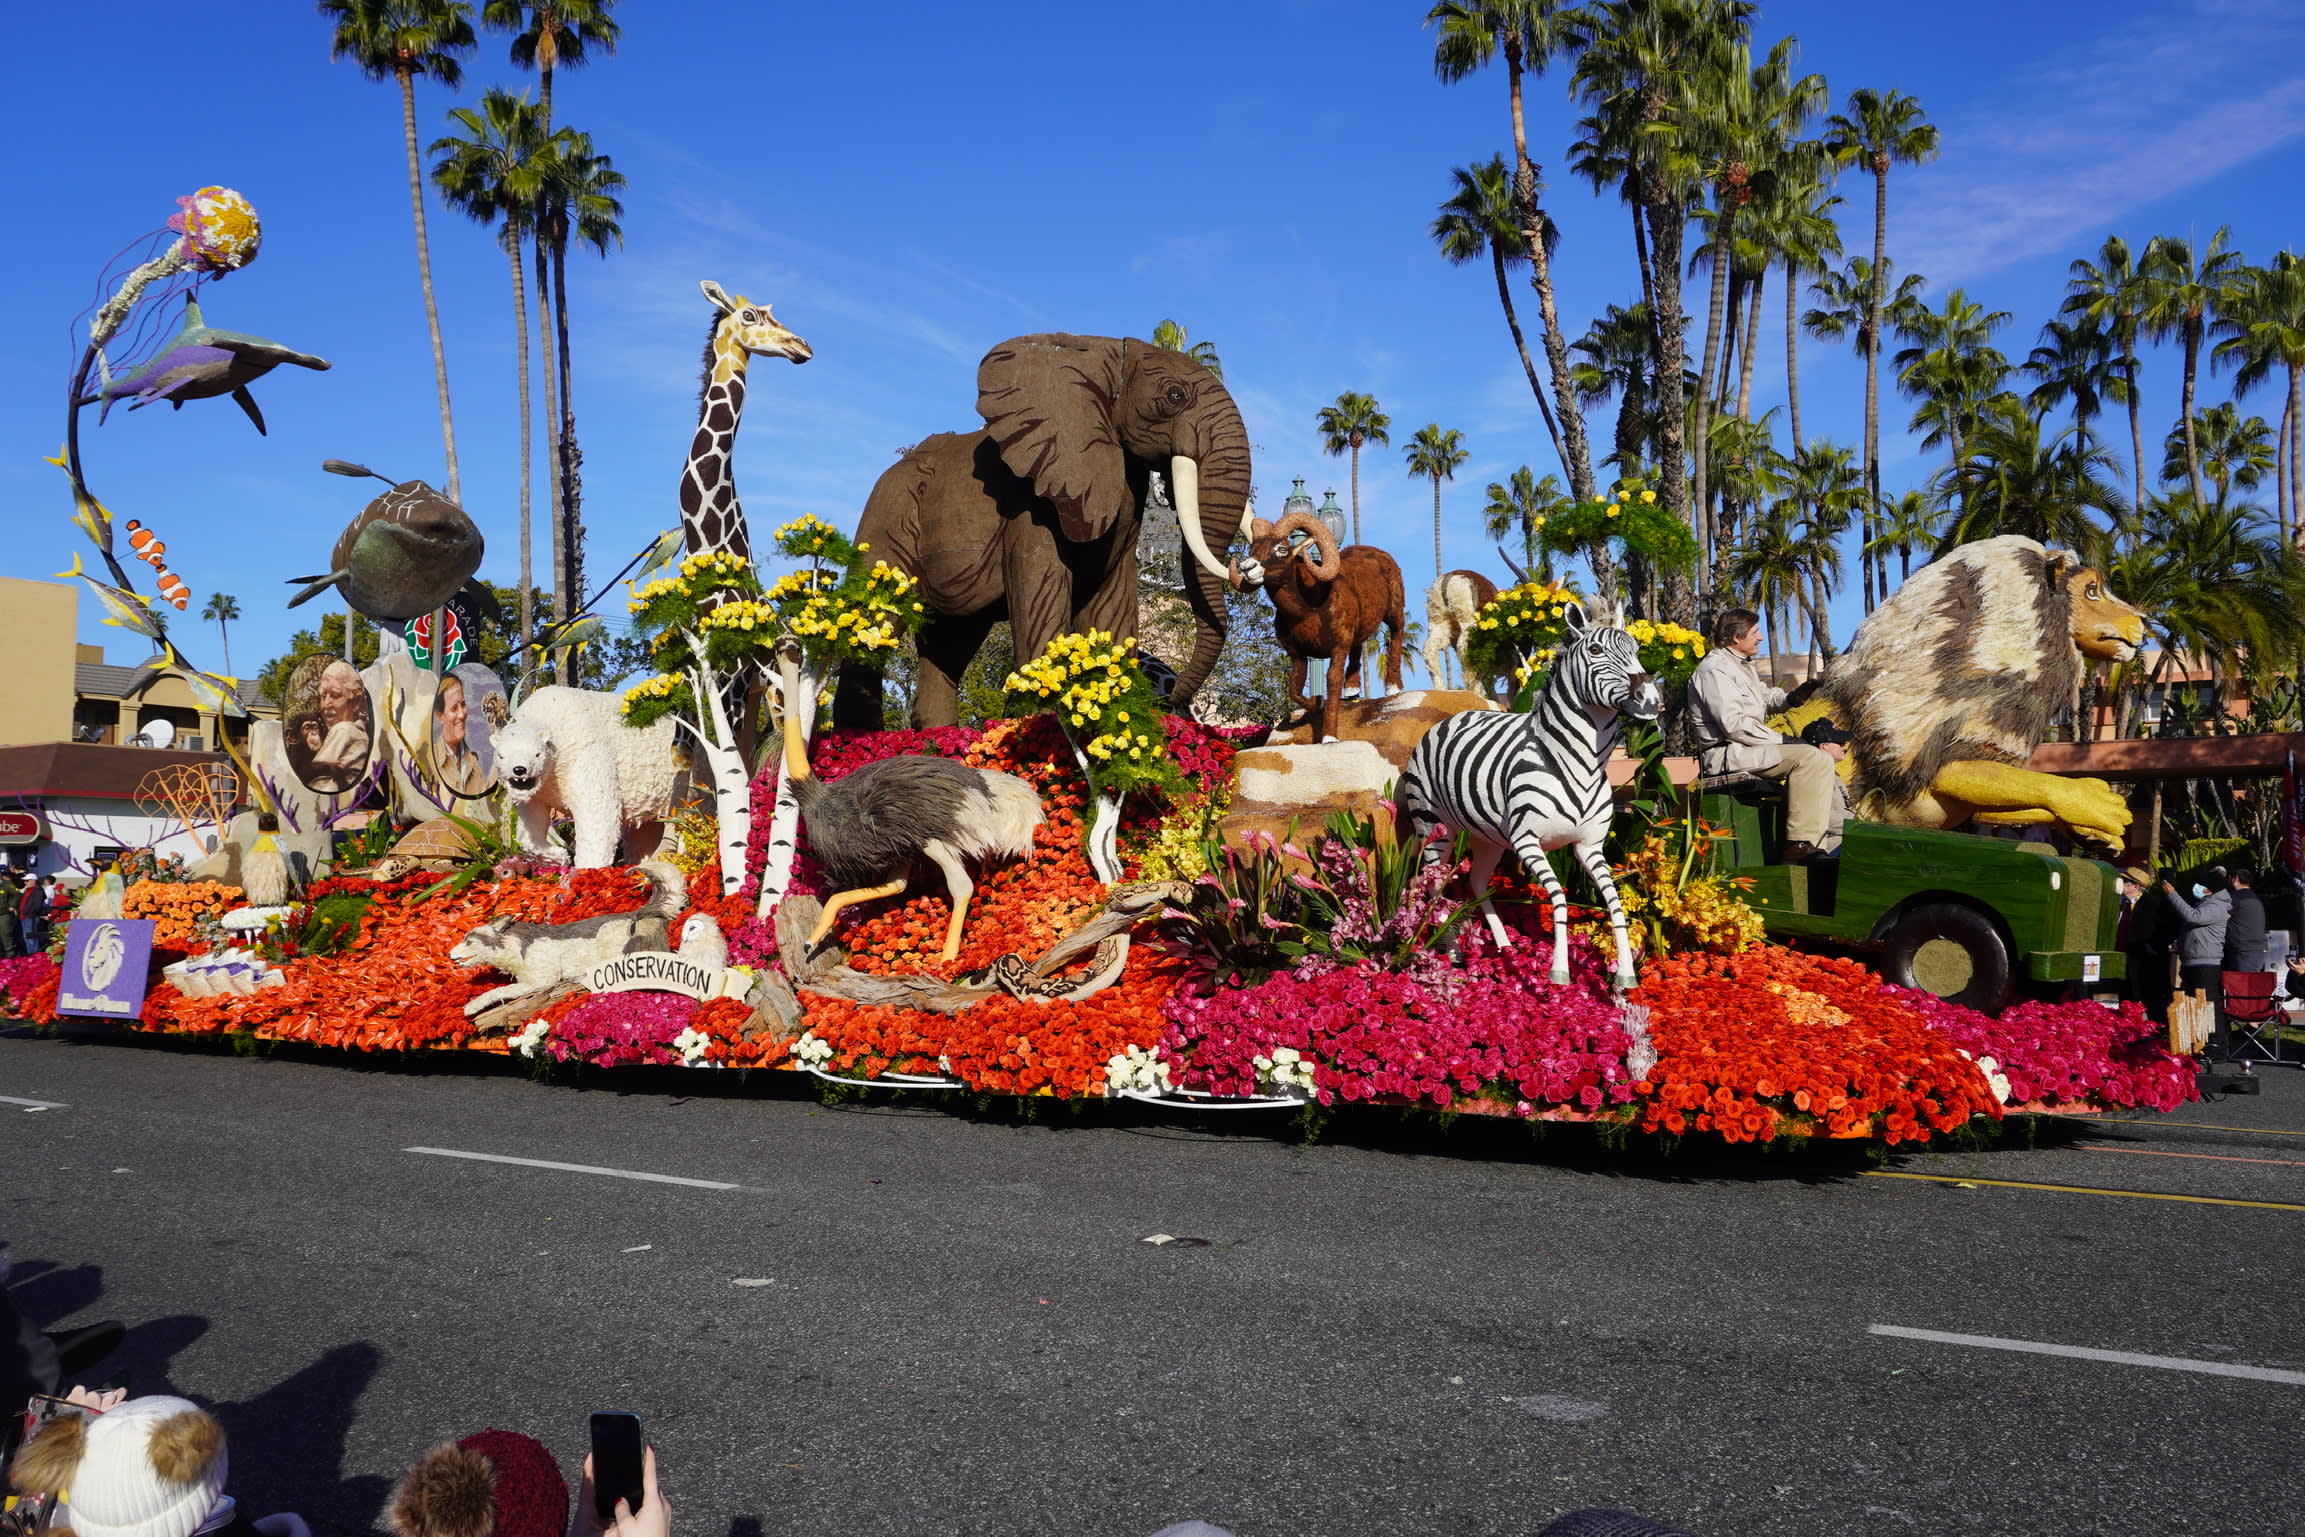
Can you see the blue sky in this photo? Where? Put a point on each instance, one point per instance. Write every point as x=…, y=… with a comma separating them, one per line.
x=910, y=189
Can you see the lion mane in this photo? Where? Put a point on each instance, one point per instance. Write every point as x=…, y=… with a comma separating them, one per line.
x=1969, y=659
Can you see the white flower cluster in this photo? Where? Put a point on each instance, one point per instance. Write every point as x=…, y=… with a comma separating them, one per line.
x=1140, y=1069
x=812, y=1052
x=1993, y=1075
x=530, y=1042
x=691, y=1044
x=1286, y=1071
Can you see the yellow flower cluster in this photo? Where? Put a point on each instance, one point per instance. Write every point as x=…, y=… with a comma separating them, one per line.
x=1529, y=603
x=1083, y=672
x=883, y=575
x=820, y=618
x=1702, y=912
x=1665, y=632
x=807, y=535
x=658, y=687
x=716, y=563
x=746, y=614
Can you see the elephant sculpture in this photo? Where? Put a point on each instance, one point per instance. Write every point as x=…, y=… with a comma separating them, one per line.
x=1034, y=518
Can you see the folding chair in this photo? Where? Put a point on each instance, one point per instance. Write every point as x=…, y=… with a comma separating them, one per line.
x=2250, y=1011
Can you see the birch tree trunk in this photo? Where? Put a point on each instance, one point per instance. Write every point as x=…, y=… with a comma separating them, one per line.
x=784, y=820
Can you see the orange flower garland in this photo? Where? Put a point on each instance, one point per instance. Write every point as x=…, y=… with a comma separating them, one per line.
x=175, y=905
x=1773, y=1042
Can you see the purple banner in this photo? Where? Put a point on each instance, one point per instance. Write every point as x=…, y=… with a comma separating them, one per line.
x=106, y=963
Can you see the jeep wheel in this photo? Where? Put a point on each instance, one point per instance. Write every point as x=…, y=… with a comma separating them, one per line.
x=1952, y=951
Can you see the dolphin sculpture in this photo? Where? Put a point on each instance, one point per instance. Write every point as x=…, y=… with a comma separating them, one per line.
x=200, y=362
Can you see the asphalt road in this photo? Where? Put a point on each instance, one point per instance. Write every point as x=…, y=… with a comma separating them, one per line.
x=957, y=1326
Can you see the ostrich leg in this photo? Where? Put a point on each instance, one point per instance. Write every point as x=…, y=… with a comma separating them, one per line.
x=958, y=885
x=839, y=900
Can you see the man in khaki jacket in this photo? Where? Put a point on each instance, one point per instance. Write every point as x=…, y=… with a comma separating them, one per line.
x=1729, y=706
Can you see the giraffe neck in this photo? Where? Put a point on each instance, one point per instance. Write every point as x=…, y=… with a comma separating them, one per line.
x=710, y=514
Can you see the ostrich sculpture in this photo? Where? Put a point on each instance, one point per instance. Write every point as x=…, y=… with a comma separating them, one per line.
x=868, y=827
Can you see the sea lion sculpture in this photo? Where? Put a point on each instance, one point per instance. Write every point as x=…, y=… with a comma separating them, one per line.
x=408, y=553
x=200, y=362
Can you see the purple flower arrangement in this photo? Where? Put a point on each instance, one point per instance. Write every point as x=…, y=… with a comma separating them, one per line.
x=622, y=1029
x=2066, y=1053
x=1490, y=1025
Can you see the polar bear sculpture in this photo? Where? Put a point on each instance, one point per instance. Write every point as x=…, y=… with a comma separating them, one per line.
x=569, y=750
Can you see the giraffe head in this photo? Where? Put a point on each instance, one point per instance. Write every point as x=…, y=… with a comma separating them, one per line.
x=745, y=327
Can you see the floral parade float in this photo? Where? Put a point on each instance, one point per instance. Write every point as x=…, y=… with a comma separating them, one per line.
x=1128, y=946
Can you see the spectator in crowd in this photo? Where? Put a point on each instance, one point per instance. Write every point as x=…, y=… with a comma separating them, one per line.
x=2202, y=912
x=11, y=927
x=498, y=1483
x=143, y=1467
x=2245, y=929
x=32, y=916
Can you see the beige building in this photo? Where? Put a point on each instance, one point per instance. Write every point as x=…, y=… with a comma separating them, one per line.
x=55, y=689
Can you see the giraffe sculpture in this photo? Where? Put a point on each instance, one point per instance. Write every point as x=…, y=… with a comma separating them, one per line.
x=711, y=518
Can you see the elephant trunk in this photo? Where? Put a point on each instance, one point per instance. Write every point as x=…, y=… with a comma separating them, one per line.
x=1212, y=496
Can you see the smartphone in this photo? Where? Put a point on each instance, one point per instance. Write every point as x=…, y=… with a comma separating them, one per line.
x=616, y=1448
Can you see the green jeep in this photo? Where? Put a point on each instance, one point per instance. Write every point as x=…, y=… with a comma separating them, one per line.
x=1968, y=917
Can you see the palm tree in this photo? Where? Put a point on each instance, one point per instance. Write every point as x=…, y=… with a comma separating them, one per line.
x=1643, y=67
x=550, y=35
x=1878, y=130
x=2106, y=291
x=1436, y=453
x=222, y=609
x=1797, y=230
x=2263, y=328
x=1613, y=360
x=1910, y=520
x=1527, y=35
x=1952, y=368
x=491, y=176
x=1521, y=505
x=400, y=40
x=2076, y=361
x=1478, y=219
x=577, y=202
x=1823, y=480
x=2013, y=480
x=1767, y=571
x=2217, y=587
x=1345, y=426
x=2232, y=450
x=1845, y=310
x=2182, y=296
x=1756, y=110
x=1168, y=336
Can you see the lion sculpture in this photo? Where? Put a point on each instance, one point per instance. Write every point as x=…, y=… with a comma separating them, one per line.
x=1948, y=687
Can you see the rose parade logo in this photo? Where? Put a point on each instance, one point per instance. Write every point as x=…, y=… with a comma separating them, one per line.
x=105, y=962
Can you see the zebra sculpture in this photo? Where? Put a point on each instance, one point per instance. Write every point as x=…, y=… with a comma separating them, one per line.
x=1538, y=782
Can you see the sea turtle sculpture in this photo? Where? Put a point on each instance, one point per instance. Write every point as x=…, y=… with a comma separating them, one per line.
x=435, y=847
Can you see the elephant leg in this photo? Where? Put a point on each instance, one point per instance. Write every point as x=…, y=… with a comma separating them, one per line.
x=948, y=643
x=1111, y=605
x=1040, y=590
x=856, y=705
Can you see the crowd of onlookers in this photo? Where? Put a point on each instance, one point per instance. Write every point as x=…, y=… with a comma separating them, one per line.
x=29, y=910
x=104, y=1464
x=2183, y=936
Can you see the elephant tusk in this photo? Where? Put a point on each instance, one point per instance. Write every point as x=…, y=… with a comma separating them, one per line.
x=1185, y=478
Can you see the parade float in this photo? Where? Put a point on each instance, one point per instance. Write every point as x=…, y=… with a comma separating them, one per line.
x=1097, y=897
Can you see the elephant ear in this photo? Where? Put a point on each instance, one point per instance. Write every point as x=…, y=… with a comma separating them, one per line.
x=1050, y=402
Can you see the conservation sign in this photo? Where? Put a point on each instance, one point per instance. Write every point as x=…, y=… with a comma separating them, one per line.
x=106, y=964
x=657, y=971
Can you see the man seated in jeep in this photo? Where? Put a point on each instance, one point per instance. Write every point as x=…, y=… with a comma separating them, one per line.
x=1729, y=705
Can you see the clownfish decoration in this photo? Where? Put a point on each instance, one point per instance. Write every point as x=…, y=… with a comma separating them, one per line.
x=149, y=549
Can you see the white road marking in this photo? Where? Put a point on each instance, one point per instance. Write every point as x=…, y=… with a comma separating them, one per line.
x=31, y=1104
x=576, y=1168
x=2086, y=1353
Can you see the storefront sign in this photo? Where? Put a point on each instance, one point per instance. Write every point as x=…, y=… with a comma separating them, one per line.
x=657, y=971
x=18, y=828
x=106, y=964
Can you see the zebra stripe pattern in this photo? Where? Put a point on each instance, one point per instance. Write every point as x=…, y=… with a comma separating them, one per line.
x=1538, y=782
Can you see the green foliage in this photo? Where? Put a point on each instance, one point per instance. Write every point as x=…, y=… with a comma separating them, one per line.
x=1632, y=522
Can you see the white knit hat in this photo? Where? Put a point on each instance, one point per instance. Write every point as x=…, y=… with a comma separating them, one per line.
x=152, y=1467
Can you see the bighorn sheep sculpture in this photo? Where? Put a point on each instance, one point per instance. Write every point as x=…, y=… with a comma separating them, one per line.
x=867, y=827
x=1327, y=603
x=1451, y=606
